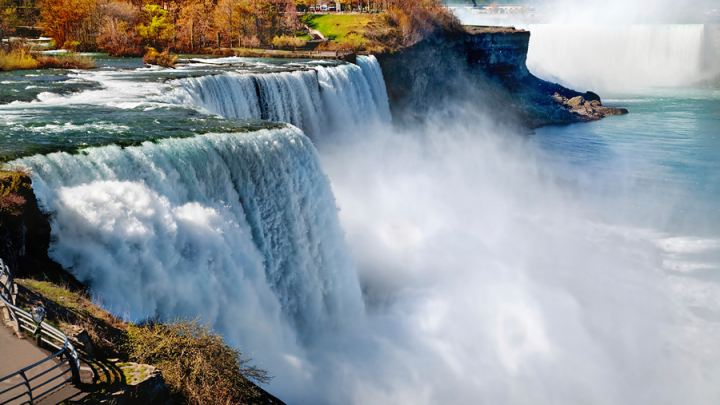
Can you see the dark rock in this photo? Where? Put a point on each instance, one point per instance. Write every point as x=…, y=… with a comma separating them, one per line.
x=485, y=67
x=25, y=238
x=590, y=96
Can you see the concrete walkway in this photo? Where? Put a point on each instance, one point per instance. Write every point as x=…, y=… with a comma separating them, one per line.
x=16, y=354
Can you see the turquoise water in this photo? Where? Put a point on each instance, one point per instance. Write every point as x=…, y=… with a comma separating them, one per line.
x=657, y=167
x=494, y=268
x=121, y=101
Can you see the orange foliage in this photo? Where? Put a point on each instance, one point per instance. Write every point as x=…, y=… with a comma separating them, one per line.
x=63, y=19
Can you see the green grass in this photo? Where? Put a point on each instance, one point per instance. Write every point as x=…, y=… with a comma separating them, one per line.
x=60, y=296
x=338, y=26
x=304, y=36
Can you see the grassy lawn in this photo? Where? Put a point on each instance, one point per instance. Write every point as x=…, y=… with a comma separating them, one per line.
x=337, y=26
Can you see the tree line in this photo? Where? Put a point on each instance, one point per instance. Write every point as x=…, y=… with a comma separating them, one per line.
x=130, y=27
x=122, y=27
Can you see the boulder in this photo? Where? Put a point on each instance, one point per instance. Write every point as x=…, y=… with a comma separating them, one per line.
x=576, y=101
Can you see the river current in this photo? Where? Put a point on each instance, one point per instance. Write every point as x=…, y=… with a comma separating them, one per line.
x=364, y=263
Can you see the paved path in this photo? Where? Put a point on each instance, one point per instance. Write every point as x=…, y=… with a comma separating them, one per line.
x=16, y=354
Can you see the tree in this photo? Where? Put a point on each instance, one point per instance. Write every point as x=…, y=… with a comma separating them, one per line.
x=196, y=22
x=117, y=35
x=157, y=28
x=62, y=18
x=9, y=20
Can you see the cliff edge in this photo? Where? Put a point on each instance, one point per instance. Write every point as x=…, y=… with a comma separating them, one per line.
x=484, y=66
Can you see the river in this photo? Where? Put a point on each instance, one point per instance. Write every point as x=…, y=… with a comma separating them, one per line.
x=457, y=262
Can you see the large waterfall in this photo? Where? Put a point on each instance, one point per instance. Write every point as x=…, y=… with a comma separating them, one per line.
x=320, y=100
x=615, y=58
x=450, y=262
x=191, y=226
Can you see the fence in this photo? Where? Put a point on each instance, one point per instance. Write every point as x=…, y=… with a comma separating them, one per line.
x=34, y=382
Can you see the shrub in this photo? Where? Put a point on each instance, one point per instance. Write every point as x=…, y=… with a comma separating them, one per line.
x=195, y=362
x=165, y=59
x=248, y=53
x=416, y=20
x=19, y=58
x=249, y=42
x=71, y=45
x=69, y=61
x=288, y=42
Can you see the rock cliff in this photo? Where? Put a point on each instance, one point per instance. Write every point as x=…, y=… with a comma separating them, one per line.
x=486, y=66
x=25, y=231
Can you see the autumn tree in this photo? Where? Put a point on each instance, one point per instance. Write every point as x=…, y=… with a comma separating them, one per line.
x=195, y=23
x=228, y=17
x=117, y=33
x=62, y=19
x=9, y=20
x=289, y=22
x=157, y=28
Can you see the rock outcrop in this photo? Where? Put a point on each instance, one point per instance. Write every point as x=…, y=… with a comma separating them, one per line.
x=484, y=65
x=25, y=231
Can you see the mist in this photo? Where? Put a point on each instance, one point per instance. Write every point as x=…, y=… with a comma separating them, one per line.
x=487, y=281
x=461, y=266
x=618, y=47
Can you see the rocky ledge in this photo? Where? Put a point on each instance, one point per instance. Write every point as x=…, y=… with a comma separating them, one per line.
x=592, y=109
x=484, y=66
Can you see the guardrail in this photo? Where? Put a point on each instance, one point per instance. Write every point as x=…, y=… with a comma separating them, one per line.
x=33, y=385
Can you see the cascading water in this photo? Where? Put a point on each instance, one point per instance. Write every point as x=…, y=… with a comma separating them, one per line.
x=612, y=57
x=321, y=100
x=487, y=275
x=189, y=226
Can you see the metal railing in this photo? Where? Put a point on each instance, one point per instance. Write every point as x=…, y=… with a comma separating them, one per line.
x=33, y=385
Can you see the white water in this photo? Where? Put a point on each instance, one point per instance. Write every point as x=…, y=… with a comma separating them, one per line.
x=319, y=101
x=483, y=279
x=617, y=58
x=201, y=225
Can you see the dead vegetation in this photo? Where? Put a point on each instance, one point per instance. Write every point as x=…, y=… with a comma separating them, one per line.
x=195, y=362
x=21, y=58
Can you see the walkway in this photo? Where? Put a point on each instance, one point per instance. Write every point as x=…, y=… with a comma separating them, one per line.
x=15, y=354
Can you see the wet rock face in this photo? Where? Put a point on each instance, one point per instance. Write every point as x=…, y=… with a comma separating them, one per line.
x=485, y=66
x=25, y=231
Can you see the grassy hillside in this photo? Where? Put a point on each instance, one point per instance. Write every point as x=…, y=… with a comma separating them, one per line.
x=338, y=26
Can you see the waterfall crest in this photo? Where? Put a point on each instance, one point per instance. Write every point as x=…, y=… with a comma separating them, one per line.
x=321, y=100
x=194, y=225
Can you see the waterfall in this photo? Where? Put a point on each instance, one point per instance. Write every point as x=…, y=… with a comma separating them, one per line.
x=245, y=221
x=320, y=100
x=617, y=57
